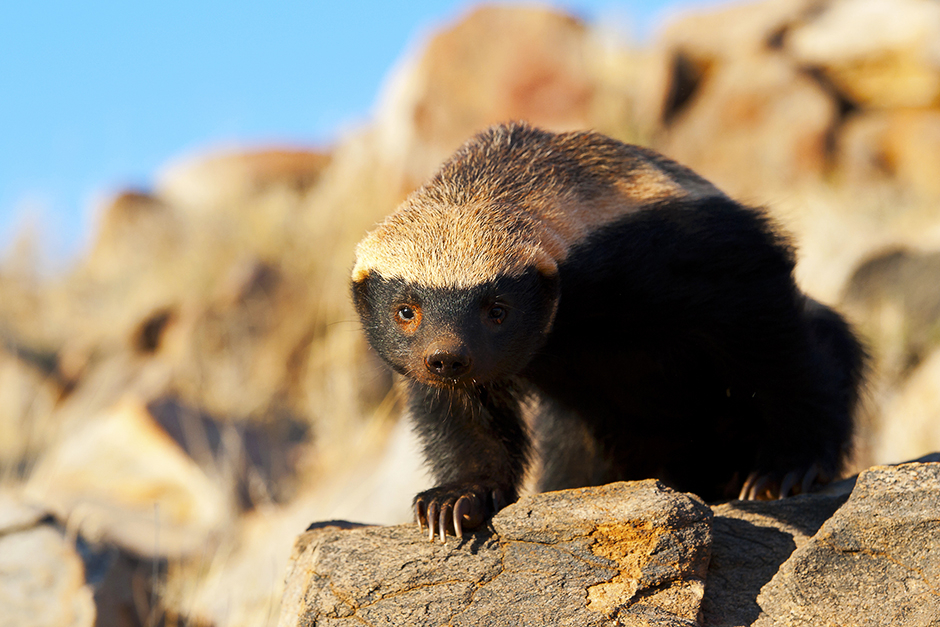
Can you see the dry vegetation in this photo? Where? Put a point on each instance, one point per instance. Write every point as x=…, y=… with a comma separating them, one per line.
x=203, y=355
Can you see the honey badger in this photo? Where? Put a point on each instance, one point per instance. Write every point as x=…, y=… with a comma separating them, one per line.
x=650, y=323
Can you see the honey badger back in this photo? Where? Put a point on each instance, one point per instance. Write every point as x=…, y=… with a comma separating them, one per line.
x=652, y=321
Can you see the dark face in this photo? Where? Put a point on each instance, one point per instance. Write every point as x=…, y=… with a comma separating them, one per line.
x=457, y=336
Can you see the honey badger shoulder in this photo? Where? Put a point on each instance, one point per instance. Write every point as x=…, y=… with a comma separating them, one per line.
x=651, y=321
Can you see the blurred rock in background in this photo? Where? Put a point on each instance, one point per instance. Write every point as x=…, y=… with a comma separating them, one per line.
x=196, y=389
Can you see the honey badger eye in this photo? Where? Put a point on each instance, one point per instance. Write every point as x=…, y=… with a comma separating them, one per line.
x=497, y=314
x=408, y=317
x=406, y=314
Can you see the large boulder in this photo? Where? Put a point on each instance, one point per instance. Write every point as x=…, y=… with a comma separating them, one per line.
x=754, y=125
x=494, y=65
x=629, y=552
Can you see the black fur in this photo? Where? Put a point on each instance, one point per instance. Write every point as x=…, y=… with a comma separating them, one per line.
x=683, y=344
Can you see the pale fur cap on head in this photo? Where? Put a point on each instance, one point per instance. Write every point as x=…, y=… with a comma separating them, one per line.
x=515, y=197
x=455, y=246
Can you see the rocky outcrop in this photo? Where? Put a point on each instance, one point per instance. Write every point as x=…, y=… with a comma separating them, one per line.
x=641, y=554
x=629, y=552
x=838, y=80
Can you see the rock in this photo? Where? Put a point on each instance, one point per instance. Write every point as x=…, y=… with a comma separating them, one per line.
x=754, y=126
x=498, y=63
x=750, y=540
x=714, y=35
x=28, y=394
x=121, y=478
x=907, y=425
x=42, y=580
x=894, y=298
x=206, y=182
x=633, y=554
x=879, y=53
x=693, y=48
x=898, y=148
x=754, y=96
x=627, y=553
x=135, y=230
x=873, y=563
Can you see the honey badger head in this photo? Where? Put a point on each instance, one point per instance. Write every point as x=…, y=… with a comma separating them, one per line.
x=454, y=295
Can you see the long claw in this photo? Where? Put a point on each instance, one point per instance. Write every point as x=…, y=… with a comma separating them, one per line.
x=432, y=516
x=443, y=522
x=748, y=483
x=461, y=509
x=420, y=513
x=756, y=488
x=787, y=484
x=809, y=478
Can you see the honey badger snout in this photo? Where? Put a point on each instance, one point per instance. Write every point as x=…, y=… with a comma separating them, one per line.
x=449, y=360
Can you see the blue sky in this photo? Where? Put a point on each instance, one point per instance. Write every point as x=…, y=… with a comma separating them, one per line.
x=97, y=95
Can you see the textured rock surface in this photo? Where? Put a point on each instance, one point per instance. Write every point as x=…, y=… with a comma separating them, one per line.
x=629, y=552
x=875, y=562
x=750, y=540
x=636, y=554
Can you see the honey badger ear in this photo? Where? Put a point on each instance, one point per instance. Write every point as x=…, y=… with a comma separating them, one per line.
x=361, y=294
x=543, y=263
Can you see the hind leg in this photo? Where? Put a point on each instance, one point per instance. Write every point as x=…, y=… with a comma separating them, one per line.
x=827, y=399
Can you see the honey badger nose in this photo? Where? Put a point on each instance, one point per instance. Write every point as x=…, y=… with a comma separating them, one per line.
x=450, y=362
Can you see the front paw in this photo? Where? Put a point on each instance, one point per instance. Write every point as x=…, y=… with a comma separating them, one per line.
x=453, y=507
x=774, y=485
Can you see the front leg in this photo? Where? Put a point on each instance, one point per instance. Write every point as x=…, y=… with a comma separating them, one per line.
x=476, y=444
